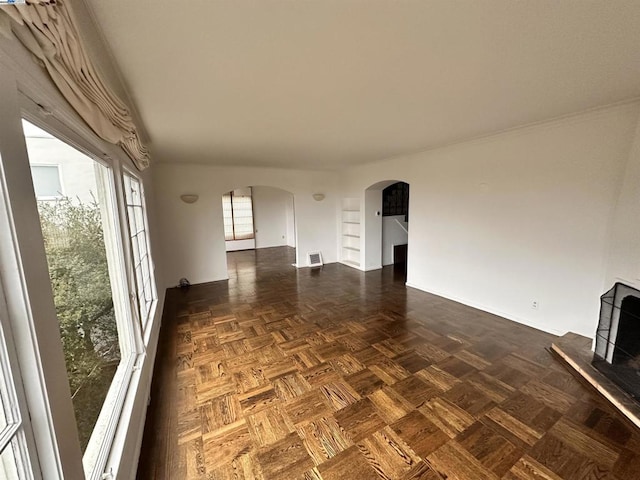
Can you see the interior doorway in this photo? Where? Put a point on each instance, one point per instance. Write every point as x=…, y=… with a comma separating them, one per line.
x=257, y=219
x=386, y=226
x=238, y=218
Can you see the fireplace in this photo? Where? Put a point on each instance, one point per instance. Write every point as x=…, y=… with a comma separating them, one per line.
x=617, y=353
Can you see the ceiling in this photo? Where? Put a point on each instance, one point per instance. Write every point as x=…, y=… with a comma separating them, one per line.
x=327, y=83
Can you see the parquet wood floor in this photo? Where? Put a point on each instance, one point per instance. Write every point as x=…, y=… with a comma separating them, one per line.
x=336, y=374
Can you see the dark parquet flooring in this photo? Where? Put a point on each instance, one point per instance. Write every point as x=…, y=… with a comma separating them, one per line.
x=337, y=374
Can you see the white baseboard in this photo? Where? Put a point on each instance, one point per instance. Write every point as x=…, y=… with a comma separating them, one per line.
x=488, y=309
x=376, y=267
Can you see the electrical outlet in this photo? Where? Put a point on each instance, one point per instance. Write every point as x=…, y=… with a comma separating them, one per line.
x=535, y=305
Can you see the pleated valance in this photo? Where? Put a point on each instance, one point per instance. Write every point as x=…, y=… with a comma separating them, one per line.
x=48, y=30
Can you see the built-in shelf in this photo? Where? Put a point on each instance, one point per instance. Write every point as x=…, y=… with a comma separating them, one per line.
x=351, y=231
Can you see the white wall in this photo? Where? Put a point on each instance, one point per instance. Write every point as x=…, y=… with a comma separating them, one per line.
x=624, y=255
x=193, y=235
x=392, y=234
x=291, y=222
x=270, y=209
x=372, y=220
x=524, y=215
x=235, y=245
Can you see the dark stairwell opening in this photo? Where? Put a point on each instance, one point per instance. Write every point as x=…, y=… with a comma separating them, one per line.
x=395, y=202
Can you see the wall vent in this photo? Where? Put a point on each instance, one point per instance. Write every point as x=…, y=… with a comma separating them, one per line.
x=315, y=259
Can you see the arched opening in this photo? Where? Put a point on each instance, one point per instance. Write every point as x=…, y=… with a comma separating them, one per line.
x=259, y=228
x=386, y=226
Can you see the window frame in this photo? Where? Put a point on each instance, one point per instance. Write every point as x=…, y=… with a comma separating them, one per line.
x=24, y=275
x=20, y=430
x=133, y=280
x=129, y=333
x=24, y=86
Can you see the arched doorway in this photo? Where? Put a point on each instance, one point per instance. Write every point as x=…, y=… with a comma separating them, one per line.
x=386, y=225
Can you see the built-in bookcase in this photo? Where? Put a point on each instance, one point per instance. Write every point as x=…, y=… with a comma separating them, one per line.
x=350, y=251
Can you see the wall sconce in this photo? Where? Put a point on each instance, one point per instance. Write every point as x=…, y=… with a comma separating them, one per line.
x=189, y=198
x=318, y=197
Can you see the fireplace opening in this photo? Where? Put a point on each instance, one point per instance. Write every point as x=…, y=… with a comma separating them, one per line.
x=617, y=353
x=627, y=347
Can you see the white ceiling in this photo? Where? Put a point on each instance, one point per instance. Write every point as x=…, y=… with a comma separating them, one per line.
x=325, y=83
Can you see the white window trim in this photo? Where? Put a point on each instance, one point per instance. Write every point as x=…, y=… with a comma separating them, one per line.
x=101, y=443
x=23, y=270
x=21, y=431
x=18, y=307
x=144, y=323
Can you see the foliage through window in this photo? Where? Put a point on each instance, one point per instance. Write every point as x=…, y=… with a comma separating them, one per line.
x=237, y=212
x=145, y=292
x=79, y=274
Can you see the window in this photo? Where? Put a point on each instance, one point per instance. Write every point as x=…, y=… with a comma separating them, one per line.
x=14, y=455
x=46, y=181
x=83, y=245
x=46, y=419
x=237, y=211
x=142, y=266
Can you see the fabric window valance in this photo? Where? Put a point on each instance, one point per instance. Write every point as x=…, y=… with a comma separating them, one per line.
x=48, y=30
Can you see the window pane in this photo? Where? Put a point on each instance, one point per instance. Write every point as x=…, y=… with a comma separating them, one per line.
x=74, y=231
x=9, y=462
x=135, y=248
x=8, y=424
x=46, y=181
x=142, y=247
x=14, y=457
x=5, y=413
x=237, y=214
x=139, y=219
x=139, y=247
x=140, y=291
x=145, y=272
x=242, y=217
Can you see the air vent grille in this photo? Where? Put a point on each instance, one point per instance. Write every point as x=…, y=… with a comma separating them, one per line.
x=315, y=259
